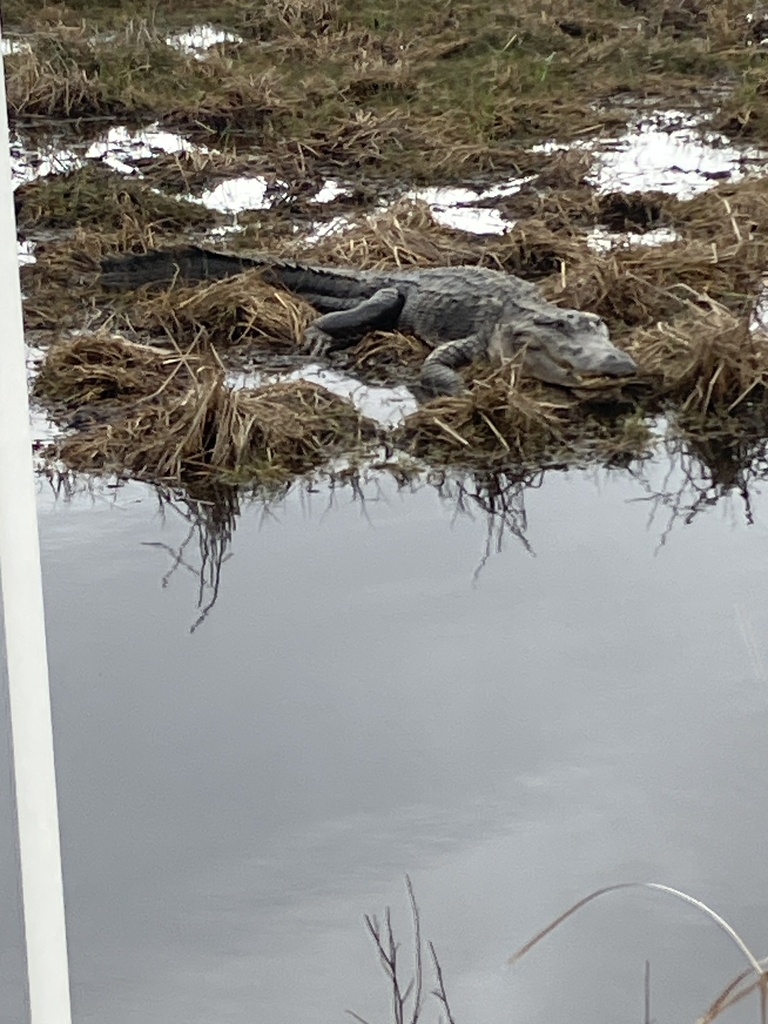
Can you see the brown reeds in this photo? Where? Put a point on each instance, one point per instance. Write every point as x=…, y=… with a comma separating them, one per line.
x=91, y=369
x=234, y=311
x=708, y=362
x=158, y=415
x=95, y=196
x=405, y=234
x=506, y=421
x=388, y=358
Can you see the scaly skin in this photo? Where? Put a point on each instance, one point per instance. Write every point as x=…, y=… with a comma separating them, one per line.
x=466, y=313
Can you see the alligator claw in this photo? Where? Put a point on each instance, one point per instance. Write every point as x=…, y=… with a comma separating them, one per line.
x=316, y=342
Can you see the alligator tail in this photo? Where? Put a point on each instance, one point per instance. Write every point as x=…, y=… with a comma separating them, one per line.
x=186, y=263
x=191, y=263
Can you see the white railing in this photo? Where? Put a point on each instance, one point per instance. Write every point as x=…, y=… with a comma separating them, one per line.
x=25, y=647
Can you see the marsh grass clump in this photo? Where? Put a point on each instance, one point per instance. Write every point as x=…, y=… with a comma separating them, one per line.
x=388, y=358
x=167, y=417
x=429, y=91
x=97, y=197
x=212, y=432
x=237, y=310
x=730, y=213
x=710, y=361
x=69, y=73
x=102, y=368
x=504, y=420
x=59, y=286
x=404, y=235
x=638, y=285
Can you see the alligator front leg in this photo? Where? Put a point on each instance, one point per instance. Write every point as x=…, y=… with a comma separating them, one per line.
x=344, y=327
x=438, y=371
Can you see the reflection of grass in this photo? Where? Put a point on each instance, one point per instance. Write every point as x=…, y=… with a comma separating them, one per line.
x=756, y=975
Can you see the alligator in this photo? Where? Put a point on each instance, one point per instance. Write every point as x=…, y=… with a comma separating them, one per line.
x=464, y=312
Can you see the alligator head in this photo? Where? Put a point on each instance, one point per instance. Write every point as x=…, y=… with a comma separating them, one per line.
x=561, y=346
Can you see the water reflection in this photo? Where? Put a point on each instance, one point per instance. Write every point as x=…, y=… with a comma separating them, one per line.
x=704, y=471
x=688, y=478
x=204, y=548
x=353, y=709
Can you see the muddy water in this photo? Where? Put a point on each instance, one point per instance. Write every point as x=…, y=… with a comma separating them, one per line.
x=360, y=703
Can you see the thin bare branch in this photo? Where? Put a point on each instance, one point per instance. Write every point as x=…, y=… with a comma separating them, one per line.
x=419, y=968
x=440, y=992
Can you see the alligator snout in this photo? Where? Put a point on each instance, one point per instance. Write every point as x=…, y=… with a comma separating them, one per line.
x=617, y=364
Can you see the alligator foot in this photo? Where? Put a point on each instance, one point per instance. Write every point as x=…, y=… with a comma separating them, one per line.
x=438, y=379
x=316, y=341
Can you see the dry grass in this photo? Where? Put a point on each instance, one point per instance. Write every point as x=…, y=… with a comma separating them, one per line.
x=170, y=418
x=506, y=421
x=428, y=91
x=755, y=976
x=387, y=358
x=95, y=196
x=238, y=310
x=682, y=309
x=709, y=362
x=92, y=369
x=70, y=73
x=425, y=93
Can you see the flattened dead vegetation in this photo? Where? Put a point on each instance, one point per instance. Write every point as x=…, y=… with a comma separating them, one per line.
x=423, y=92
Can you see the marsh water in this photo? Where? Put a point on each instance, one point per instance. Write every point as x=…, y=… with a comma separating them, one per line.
x=379, y=689
x=390, y=681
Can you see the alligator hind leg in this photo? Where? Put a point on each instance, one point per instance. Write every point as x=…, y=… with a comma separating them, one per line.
x=343, y=327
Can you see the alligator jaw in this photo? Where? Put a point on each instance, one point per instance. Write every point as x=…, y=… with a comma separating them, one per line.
x=563, y=347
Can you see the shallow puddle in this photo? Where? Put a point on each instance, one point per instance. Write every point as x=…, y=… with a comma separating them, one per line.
x=386, y=405
x=237, y=195
x=667, y=151
x=602, y=240
x=455, y=207
x=201, y=38
x=119, y=148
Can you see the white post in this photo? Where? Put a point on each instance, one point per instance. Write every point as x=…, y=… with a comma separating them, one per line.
x=25, y=647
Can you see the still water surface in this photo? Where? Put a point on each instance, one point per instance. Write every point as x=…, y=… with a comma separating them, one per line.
x=360, y=704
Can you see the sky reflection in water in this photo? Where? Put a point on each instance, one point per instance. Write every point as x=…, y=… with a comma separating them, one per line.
x=360, y=703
